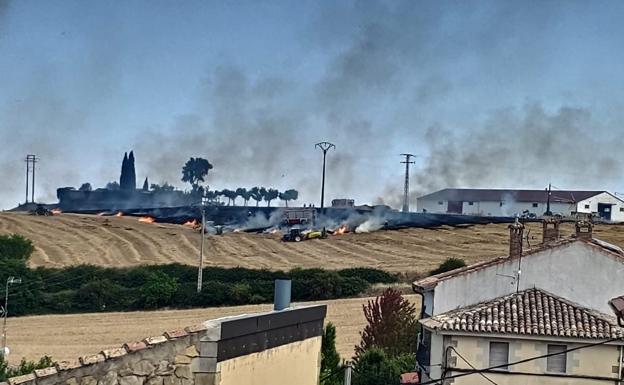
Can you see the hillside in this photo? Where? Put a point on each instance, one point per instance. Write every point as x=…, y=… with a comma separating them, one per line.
x=69, y=336
x=70, y=239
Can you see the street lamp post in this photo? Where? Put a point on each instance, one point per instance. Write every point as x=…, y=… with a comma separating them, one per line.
x=10, y=281
x=200, y=270
x=324, y=146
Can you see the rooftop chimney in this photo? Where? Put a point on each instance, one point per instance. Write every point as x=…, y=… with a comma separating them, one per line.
x=550, y=230
x=516, y=230
x=584, y=229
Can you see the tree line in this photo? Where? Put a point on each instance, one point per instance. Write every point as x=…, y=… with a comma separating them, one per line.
x=195, y=172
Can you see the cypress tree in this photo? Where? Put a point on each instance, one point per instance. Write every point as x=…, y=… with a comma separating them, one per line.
x=131, y=173
x=145, y=185
x=123, y=178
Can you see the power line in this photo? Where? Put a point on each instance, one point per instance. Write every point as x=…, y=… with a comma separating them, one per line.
x=407, y=163
x=471, y=365
x=479, y=371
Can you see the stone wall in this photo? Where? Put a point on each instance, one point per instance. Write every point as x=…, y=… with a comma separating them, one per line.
x=196, y=354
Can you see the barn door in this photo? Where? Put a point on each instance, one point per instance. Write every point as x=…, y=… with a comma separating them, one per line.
x=455, y=207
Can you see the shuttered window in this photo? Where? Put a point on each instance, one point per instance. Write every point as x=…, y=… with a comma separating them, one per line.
x=556, y=363
x=499, y=354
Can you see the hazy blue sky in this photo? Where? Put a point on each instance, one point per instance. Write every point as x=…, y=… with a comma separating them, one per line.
x=488, y=93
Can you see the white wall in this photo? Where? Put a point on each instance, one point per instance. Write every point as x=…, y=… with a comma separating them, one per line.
x=575, y=271
x=617, y=210
x=511, y=208
x=494, y=208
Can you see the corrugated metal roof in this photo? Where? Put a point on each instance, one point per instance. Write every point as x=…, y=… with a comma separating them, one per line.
x=538, y=196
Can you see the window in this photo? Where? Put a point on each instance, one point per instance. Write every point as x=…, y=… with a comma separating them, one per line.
x=499, y=354
x=557, y=363
x=501, y=204
x=440, y=202
x=535, y=205
x=470, y=203
x=586, y=206
x=622, y=209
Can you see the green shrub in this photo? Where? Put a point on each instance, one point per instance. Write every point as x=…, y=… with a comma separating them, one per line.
x=375, y=367
x=24, y=367
x=369, y=275
x=15, y=247
x=158, y=290
x=448, y=265
x=93, y=288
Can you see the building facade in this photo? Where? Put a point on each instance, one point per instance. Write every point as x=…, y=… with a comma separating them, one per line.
x=520, y=306
x=523, y=202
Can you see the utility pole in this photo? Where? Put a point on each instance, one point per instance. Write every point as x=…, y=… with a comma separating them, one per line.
x=324, y=146
x=10, y=281
x=407, y=162
x=31, y=161
x=200, y=271
x=548, y=212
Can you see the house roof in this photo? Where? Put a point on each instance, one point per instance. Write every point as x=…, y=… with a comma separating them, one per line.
x=530, y=312
x=496, y=195
x=430, y=282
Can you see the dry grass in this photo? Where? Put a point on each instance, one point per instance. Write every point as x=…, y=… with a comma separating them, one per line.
x=70, y=336
x=70, y=239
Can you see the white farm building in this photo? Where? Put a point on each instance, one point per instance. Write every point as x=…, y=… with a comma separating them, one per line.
x=518, y=202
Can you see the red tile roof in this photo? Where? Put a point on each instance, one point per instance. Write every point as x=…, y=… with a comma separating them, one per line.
x=529, y=312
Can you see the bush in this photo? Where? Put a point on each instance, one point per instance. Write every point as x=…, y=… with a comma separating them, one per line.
x=369, y=275
x=375, y=367
x=25, y=367
x=330, y=359
x=158, y=290
x=100, y=295
x=448, y=265
x=15, y=247
x=93, y=288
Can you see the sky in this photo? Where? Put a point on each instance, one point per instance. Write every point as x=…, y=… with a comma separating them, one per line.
x=488, y=94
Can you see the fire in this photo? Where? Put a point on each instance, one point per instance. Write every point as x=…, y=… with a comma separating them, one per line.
x=192, y=223
x=56, y=211
x=341, y=230
x=147, y=220
x=119, y=214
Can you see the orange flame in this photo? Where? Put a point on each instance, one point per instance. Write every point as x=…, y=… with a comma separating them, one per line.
x=119, y=214
x=341, y=230
x=147, y=220
x=56, y=211
x=192, y=223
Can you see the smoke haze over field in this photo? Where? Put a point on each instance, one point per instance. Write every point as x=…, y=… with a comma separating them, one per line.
x=487, y=94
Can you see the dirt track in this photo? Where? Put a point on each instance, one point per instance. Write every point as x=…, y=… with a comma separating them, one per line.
x=69, y=239
x=70, y=336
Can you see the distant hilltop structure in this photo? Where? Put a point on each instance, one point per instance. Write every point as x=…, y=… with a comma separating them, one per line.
x=122, y=195
x=498, y=202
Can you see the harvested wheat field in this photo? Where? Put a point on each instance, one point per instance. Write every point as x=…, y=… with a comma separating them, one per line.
x=71, y=239
x=70, y=336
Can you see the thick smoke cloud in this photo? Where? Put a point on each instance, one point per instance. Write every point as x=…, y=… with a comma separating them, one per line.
x=522, y=147
x=447, y=81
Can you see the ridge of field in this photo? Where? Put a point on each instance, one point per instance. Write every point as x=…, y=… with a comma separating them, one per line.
x=65, y=337
x=72, y=239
